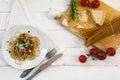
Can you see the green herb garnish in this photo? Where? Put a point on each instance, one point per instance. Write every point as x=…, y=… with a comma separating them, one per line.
x=31, y=54
x=7, y=41
x=18, y=55
x=31, y=41
x=73, y=13
x=24, y=58
x=22, y=36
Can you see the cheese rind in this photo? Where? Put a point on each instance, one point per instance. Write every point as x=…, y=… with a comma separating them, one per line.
x=98, y=16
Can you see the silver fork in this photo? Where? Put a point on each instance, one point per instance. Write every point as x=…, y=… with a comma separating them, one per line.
x=50, y=54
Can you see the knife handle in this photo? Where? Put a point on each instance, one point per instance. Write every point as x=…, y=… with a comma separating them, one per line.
x=33, y=75
x=26, y=72
x=50, y=54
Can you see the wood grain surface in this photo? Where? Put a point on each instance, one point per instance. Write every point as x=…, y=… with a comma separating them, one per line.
x=111, y=14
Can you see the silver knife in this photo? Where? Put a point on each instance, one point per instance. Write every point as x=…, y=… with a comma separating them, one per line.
x=44, y=66
x=50, y=54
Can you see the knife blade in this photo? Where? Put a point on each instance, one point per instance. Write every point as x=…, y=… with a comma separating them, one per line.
x=50, y=54
x=44, y=66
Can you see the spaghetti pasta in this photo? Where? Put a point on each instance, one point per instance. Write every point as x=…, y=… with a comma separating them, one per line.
x=24, y=46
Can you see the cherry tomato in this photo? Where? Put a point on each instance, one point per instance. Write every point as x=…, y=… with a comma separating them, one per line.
x=21, y=51
x=27, y=40
x=101, y=56
x=95, y=4
x=85, y=2
x=111, y=51
x=82, y=58
x=93, y=51
x=24, y=52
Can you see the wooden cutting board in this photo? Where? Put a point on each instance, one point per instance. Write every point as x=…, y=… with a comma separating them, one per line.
x=111, y=14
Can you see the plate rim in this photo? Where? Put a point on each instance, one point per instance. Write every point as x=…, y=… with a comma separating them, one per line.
x=18, y=26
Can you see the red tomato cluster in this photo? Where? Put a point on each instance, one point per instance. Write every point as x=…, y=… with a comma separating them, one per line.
x=98, y=54
x=94, y=3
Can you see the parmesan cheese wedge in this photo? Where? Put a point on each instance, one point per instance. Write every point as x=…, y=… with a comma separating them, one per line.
x=98, y=16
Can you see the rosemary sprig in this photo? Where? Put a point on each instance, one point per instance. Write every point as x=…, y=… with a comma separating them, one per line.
x=73, y=13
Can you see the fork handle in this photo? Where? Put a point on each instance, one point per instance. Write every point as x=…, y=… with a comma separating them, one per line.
x=26, y=72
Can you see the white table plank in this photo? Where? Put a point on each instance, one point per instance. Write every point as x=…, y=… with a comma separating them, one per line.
x=68, y=66
x=114, y=4
x=5, y=8
x=42, y=6
x=3, y=20
x=64, y=38
x=44, y=21
x=67, y=73
x=9, y=73
x=80, y=73
x=2, y=62
x=70, y=58
x=5, y=5
x=45, y=5
x=17, y=16
x=71, y=55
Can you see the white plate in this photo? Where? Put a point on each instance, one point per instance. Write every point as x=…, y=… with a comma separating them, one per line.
x=27, y=63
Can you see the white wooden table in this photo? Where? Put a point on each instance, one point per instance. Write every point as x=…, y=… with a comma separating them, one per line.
x=67, y=67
